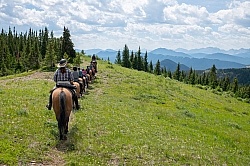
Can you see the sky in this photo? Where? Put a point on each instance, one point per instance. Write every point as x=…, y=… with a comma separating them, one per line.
x=148, y=24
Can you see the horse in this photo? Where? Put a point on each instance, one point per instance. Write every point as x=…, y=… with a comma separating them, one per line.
x=77, y=89
x=94, y=63
x=62, y=105
x=82, y=85
x=85, y=79
x=91, y=73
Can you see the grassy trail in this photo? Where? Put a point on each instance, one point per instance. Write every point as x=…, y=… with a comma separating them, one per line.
x=127, y=118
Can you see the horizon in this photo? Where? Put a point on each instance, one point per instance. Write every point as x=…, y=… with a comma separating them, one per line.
x=177, y=50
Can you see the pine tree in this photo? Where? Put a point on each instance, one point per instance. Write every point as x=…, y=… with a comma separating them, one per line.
x=169, y=74
x=157, y=69
x=191, y=76
x=125, y=57
x=151, y=67
x=83, y=52
x=44, y=42
x=4, y=51
x=182, y=76
x=235, y=85
x=36, y=56
x=225, y=83
x=177, y=72
x=164, y=71
x=135, y=62
x=132, y=58
x=118, y=58
x=140, y=60
x=212, y=77
x=50, y=56
x=146, y=62
x=68, y=46
x=203, y=79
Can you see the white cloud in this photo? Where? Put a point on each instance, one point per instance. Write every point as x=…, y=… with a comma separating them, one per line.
x=185, y=14
x=145, y=23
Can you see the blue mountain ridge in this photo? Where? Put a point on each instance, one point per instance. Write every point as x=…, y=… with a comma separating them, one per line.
x=188, y=58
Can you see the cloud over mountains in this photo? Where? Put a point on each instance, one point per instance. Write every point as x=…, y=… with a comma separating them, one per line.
x=146, y=23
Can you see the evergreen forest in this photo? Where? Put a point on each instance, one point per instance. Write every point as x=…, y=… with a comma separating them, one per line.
x=32, y=50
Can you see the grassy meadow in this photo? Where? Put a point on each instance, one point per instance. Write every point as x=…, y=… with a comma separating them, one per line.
x=127, y=117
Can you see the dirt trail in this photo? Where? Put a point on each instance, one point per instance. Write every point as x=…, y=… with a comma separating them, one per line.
x=37, y=75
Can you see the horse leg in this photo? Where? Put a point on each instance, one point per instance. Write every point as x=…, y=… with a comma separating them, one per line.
x=81, y=88
x=67, y=126
x=60, y=128
x=83, y=85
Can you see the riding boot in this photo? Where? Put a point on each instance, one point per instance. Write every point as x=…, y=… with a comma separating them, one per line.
x=50, y=102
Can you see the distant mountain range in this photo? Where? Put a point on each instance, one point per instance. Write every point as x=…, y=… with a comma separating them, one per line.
x=198, y=59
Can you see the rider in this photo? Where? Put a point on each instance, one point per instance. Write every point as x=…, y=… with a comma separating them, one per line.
x=76, y=77
x=80, y=72
x=93, y=60
x=75, y=74
x=63, y=78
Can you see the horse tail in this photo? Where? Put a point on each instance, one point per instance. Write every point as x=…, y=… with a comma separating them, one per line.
x=62, y=99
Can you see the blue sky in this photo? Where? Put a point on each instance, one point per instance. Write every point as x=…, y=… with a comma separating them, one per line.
x=150, y=24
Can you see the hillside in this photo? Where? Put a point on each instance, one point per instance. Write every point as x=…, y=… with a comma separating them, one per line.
x=127, y=118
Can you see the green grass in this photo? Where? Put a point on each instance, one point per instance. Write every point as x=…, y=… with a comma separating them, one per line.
x=127, y=118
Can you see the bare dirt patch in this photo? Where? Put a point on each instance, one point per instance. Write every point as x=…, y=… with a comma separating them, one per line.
x=37, y=75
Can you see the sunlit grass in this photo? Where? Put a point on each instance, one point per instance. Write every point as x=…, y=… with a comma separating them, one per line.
x=127, y=118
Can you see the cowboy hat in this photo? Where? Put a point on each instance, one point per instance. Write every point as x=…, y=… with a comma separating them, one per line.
x=62, y=63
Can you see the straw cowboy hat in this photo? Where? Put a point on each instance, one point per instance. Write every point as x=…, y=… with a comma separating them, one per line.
x=62, y=63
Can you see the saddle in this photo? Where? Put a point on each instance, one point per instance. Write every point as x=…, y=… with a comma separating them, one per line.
x=70, y=87
x=65, y=85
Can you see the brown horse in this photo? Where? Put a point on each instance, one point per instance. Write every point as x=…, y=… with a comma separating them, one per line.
x=92, y=74
x=94, y=63
x=77, y=89
x=62, y=105
x=82, y=85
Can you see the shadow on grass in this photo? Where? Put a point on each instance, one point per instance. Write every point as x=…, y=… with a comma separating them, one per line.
x=70, y=143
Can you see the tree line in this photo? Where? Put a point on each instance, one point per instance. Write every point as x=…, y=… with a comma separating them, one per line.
x=20, y=52
x=207, y=79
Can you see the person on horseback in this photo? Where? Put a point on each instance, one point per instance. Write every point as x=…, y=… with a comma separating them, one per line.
x=75, y=74
x=94, y=62
x=76, y=77
x=80, y=72
x=85, y=77
x=63, y=78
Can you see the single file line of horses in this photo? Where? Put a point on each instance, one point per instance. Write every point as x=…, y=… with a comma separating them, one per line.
x=62, y=101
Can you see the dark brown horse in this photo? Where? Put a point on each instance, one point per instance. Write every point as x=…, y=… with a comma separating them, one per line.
x=94, y=63
x=62, y=105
